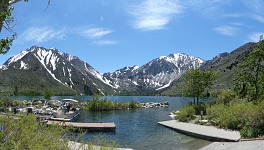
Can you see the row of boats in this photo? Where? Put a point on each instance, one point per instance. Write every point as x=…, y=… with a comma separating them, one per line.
x=58, y=110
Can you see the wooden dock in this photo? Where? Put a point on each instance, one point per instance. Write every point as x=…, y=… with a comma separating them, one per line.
x=93, y=127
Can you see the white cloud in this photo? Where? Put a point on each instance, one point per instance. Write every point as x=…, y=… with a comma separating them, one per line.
x=255, y=5
x=154, y=14
x=42, y=34
x=95, y=32
x=96, y=35
x=105, y=42
x=207, y=8
x=259, y=18
x=234, y=15
x=226, y=30
x=254, y=37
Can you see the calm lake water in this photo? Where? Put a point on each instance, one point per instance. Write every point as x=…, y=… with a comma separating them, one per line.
x=139, y=129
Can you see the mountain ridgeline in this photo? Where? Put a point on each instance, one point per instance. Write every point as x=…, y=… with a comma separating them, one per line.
x=154, y=76
x=37, y=70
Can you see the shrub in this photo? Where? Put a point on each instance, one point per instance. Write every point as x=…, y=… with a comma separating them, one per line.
x=6, y=102
x=251, y=132
x=232, y=116
x=248, y=117
x=27, y=133
x=133, y=104
x=226, y=97
x=186, y=113
x=97, y=104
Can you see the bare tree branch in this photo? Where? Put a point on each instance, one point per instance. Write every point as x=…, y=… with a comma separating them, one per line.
x=48, y=5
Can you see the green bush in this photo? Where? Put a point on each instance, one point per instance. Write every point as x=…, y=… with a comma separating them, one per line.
x=27, y=133
x=6, y=102
x=251, y=132
x=97, y=104
x=231, y=116
x=248, y=117
x=133, y=104
x=186, y=114
x=226, y=97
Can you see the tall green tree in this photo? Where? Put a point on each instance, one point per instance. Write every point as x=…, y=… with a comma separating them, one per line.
x=196, y=83
x=250, y=80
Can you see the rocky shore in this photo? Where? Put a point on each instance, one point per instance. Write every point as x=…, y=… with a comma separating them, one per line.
x=152, y=104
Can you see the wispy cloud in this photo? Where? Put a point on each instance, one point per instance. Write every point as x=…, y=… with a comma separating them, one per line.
x=256, y=6
x=226, y=30
x=97, y=35
x=234, y=15
x=95, y=32
x=154, y=14
x=207, y=8
x=259, y=18
x=42, y=34
x=254, y=37
x=105, y=42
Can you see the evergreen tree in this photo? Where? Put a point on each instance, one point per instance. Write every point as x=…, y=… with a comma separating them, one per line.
x=250, y=80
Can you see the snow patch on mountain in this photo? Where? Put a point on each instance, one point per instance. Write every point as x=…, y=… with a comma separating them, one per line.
x=17, y=57
x=23, y=65
x=3, y=67
x=157, y=74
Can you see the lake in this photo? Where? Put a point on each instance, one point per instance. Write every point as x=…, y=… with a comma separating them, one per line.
x=139, y=129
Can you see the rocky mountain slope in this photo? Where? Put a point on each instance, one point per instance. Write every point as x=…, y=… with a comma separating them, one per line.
x=153, y=76
x=225, y=64
x=37, y=69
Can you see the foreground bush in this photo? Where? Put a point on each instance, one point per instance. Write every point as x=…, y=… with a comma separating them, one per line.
x=186, y=114
x=248, y=117
x=26, y=133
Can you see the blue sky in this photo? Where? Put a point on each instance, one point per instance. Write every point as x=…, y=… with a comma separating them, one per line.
x=111, y=34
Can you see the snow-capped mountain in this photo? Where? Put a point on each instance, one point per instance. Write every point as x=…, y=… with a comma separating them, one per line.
x=155, y=75
x=49, y=67
x=38, y=68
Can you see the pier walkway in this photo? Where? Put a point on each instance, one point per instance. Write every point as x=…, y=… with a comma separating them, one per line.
x=88, y=126
x=204, y=132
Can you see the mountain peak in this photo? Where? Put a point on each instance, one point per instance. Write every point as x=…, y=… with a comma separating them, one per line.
x=49, y=66
x=156, y=74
